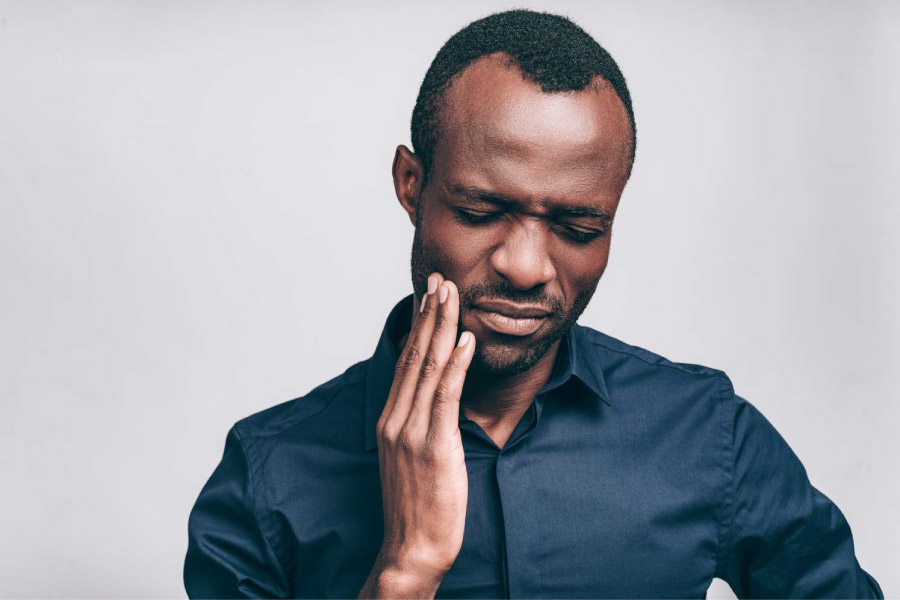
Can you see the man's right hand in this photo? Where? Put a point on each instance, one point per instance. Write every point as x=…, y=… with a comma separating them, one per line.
x=424, y=484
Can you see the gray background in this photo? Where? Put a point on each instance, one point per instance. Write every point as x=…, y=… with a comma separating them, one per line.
x=198, y=223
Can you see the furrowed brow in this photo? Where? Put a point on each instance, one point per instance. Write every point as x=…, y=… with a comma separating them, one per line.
x=473, y=194
x=478, y=195
x=584, y=212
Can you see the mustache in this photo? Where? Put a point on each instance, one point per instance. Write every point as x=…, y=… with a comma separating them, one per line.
x=504, y=291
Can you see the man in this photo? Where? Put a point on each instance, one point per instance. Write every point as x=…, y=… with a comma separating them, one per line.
x=492, y=447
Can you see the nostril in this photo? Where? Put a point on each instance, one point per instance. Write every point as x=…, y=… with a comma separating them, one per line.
x=525, y=267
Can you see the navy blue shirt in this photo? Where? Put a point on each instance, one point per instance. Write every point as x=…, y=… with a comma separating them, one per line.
x=629, y=476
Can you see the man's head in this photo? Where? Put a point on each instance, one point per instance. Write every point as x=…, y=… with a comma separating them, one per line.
x=524, y=139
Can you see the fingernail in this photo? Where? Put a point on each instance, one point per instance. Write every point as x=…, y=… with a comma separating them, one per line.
x=443, y=292
x=422, y=308
x=464, y=339
x=432, y=284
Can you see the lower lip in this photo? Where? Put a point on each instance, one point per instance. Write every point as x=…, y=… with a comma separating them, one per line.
x=509, y=325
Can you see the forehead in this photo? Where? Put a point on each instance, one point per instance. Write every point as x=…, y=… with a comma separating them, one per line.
x=502, y=130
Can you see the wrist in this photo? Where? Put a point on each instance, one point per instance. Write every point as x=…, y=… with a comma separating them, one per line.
x=403, y=578
x=396, y=582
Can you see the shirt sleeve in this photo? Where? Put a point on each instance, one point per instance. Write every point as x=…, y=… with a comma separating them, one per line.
x=228, y=554
x=785, y=538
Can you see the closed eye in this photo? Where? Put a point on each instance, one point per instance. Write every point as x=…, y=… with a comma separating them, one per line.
x=580, y=235
x=477, y=217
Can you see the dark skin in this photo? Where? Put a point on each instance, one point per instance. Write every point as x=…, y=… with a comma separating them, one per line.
x=517, y=208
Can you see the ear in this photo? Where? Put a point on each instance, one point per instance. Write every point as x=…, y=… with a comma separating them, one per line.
x=408, y=175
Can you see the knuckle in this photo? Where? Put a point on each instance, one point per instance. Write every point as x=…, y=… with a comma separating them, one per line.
x=388, y=433
x=407, y=442
x=443, y=392
x=430, y=365
x=387, y=428
x=453, y=365
x=409, y=359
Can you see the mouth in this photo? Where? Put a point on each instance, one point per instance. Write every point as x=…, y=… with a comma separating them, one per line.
x=509, y=318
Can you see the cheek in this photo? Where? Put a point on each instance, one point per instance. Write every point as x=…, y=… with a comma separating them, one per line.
x=458, y=251
x=579, y=270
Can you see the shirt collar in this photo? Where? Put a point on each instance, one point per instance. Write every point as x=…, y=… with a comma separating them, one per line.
x=576, y=358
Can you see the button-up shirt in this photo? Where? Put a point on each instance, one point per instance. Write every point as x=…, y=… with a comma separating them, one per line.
x=628, y=476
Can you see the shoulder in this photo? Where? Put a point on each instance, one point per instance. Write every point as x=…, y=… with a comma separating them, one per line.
x=286, y=416
x=642, y=357
x=628, y=368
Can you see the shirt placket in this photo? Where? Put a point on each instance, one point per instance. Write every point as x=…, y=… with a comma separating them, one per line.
x=517, y=507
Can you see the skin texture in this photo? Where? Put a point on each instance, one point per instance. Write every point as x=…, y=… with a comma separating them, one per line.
x=518, y=207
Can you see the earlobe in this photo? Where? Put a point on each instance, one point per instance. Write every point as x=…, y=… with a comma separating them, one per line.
x=408, y=174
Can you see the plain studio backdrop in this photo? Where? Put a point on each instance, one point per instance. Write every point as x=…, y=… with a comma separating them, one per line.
x=198, y=223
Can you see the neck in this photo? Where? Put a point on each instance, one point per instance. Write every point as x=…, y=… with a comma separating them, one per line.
x=488, y=397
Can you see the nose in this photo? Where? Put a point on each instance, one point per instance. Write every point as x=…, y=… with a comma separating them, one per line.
x=523, y=257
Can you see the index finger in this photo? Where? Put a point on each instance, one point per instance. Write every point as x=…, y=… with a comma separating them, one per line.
x=443, y=339
x=410, y=360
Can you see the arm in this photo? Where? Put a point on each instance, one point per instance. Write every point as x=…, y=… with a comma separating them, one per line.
x=228, y=554
x=786, y=539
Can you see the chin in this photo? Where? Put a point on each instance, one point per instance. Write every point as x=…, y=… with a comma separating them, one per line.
x=498, y=359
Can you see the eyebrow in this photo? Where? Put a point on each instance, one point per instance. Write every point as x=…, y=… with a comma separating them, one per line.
x=474, y=194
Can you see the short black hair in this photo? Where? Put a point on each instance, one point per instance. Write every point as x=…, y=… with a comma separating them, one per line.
x=551, y=51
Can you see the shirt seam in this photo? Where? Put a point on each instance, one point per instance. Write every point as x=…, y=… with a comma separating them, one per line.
x=726, y=530
x=708, y=370
x=256, y=502
x=305, y=418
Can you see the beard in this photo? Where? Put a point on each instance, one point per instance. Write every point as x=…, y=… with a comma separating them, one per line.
x=505, y=355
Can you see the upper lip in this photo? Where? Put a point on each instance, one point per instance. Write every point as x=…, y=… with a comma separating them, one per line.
x=513, y=310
